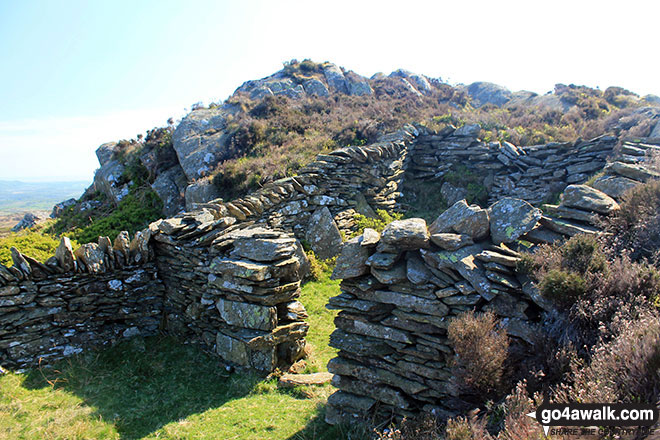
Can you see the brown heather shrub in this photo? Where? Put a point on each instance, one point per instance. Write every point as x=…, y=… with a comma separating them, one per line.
x=596, y=296
x=627, y=292
x=481, y=352
x=626, y=369
x=512, y=423
x=424, y=427
x=636, y=226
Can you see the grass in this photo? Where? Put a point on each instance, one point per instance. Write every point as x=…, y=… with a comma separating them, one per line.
x=315, y=295
x=158, y=388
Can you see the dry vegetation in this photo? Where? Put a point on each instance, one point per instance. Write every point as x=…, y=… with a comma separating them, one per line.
x=275, y=136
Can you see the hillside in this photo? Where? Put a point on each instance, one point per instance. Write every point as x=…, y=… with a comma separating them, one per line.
x=446, y=256
x=270, y=128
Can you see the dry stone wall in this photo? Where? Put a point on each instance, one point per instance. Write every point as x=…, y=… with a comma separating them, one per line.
x=53, y=310
x=400, y=290
x=319, y=204
x=329, y=191
x=229, y=287
x=232, y=288
x=533, y=173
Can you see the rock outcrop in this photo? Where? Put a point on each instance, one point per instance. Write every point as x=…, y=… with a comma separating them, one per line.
x=28, y=221
x=200, y=141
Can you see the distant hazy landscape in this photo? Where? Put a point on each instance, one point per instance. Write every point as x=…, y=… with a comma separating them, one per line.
x=19, y=197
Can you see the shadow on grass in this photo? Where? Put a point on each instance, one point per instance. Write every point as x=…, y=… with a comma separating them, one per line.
x=141, y=385
x=317, y=429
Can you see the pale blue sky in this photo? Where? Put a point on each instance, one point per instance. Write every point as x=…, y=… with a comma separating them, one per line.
x=76, y=74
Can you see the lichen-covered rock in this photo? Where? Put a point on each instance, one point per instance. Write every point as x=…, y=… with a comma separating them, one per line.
x=170, y=186
x=107, y=180
x=122, y=244
x=264, y=249
x=589, y=199
x=510, y=218
x=59, y=208
x=420, y=83
x=139, y=246
x=335, y=78
x=315, y=87
x=401, y=235
x=200, y=191
x=29, y=220
x=394, y=275
x=323, y=235
x=252, y=316
x=358, y=85
x=20, y=261
x=241, y=269
x=105, y=153
x=200, y=141
x=295, y=380
x=488, y=93
x=451, y=242
x=416, y=270
x=92, y=256
x=452, y=194
x=471, y=220
x=632, y=171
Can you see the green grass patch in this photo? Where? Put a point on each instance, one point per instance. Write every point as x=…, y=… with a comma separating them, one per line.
x=32, y=243
x=315, y=295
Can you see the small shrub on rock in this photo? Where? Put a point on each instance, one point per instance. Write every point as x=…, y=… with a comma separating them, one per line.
x=384, y=219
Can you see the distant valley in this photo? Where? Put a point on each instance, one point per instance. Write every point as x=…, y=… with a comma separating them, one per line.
x=19, y=197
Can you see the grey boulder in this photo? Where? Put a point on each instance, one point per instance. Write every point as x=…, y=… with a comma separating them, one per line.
x=510, y=218
x=200, y=141
x=460, y=218
x=401, y=235
x=589, y=199
x=323, y=234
